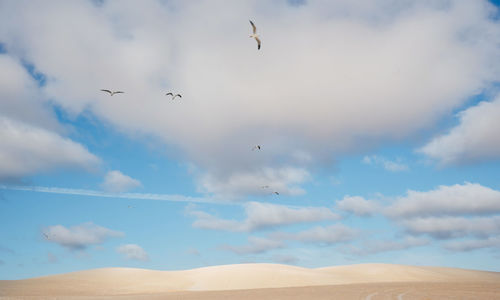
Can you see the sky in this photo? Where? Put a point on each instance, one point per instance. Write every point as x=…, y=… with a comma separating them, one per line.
x=378, y=123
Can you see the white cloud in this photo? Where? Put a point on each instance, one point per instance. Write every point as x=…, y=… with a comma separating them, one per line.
x=79, y=237
x=30, y=134
x=20, y=98
x=424, y=59
x=378, y=246
x=358, y=206
x=393, y=166
x=256, y=245
x=262, y=216
x=283, y=180
x=133, y=252
x=117, y=182
x=474, y=139
x=332, y=234
x=454, y=227
x=470, y=245
x=466, y=199
x=26, y=150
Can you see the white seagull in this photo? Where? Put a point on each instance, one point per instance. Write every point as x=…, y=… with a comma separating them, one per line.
x=254, y=35
x=173, y=96
x=112, y=93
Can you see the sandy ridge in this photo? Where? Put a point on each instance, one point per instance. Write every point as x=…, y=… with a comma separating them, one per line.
x=127, y=281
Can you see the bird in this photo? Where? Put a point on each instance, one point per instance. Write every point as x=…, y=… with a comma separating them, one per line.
x=254, y=35
x=276, y=193
x=256, y=147
x=173, y=96
x=112, y=93
x=46, y=236
x=264, y=187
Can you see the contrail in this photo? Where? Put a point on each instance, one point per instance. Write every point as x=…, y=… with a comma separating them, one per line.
x=93, y=193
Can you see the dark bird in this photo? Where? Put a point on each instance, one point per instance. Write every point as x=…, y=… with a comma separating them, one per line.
x=254, y=35
x=256, y=147
x=276, y=193
x=173, y=96
x=112, y=93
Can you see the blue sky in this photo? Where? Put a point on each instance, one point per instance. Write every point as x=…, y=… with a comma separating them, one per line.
x=378, y=124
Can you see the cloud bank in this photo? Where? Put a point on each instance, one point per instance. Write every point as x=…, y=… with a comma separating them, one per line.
x=261, y=216
x=117, y=182
x=79, y=237
x=311, y=92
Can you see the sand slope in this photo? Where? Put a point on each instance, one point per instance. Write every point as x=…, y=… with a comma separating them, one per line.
x=125, y=281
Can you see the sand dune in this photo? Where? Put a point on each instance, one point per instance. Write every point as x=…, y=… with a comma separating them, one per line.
x=139, y=283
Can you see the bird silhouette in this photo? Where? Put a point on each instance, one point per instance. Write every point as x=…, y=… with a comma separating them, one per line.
x=112, y=93
x=255, y=35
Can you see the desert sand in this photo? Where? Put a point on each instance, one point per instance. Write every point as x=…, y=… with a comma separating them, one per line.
x=261, y=281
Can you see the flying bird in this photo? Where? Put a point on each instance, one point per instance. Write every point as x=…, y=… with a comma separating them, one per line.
x=173, y=96
x=112, y=93
x=254, y=35
x=256, y=147
x=46, y=236
x=276, y=193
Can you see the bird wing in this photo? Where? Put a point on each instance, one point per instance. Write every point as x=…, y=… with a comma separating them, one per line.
x=107, y=91
x=258, y=43
x=179, y=95
x=118, y=92
x=169, y=94
x=253, y=26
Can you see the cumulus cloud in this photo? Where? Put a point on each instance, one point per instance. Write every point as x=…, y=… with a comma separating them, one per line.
x=358, y=206
x=283, y=181
x=393, y=166
x=465, y=199
x=256, y=245
x=425, y=58
x=468, y=213
x=332, y=234
x=474, y=139
x=470, y=245
x=32, y=140
x=117, y=182
x=26, y=150
x=454, y=227
x=378, y=246
x=262, y=216
x=20, y=97
x=133, y=252
x=79, y=237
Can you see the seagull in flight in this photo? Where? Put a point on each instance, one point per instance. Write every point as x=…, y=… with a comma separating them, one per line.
x=254, y=35
x=112, y=93
x=173, y=96
x=256, y=147
x=277, y=193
